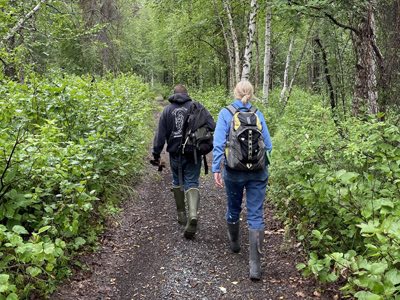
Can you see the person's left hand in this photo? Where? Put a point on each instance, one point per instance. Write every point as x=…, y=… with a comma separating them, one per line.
x=218, y=180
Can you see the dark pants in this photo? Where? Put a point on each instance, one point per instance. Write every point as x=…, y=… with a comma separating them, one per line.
x=190, y=172
x=255, y=184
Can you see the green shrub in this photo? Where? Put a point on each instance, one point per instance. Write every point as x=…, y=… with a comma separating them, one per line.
x=65, y=141
x=214, y=99
x=339, y=187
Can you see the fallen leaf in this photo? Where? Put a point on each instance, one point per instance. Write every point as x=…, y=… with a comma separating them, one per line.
x=300, y=294
x=317, y=294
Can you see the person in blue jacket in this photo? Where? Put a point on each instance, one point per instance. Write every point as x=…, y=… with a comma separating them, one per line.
x=254, y=182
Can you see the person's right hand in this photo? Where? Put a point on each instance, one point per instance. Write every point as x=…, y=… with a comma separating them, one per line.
x=155, y=162
x=218, y=180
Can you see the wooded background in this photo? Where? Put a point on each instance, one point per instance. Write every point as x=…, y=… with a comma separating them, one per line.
x=78, y=79
x=348, y=50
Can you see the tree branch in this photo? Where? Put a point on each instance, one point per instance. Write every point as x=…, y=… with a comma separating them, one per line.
x=330, y=17
x=21, y=22
x=344, y=26
x=8, y=163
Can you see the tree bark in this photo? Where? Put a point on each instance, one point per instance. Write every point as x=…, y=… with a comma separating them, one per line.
x=267, y=53
x=298, y=64
x=235, y=42
x=327, y=74
x=250, y=40
x=286, y=72
x=229, y=49
x=365, y=97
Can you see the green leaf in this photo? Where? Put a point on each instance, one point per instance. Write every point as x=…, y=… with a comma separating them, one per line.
x=4, y=278
x=43, y=229
x=33, y=271
x=79, y=241
x=346, y=177
x=48, y=248
x=19, y=229
x=363, y=295
x=378, y=268
x=300, y=266
x=12, y=296
x=393, y=276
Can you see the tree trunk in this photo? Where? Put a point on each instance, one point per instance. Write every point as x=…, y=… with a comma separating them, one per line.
x=267, y=53
x=315, y=68
x=235, y=42
x=229, y=49
x=298, y=64
x=327, y=74
x=250, y=40
x=257, y=66
x=286, y=73
x=365, y=97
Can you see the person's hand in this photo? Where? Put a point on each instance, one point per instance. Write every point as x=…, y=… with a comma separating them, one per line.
x=218, y=180
x=156, y=160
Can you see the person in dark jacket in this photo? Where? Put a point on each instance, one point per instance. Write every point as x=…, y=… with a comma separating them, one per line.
x=184, y=169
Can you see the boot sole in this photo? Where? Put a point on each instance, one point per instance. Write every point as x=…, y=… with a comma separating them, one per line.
x=255, y=278
x=235, y=249
x=190, y=231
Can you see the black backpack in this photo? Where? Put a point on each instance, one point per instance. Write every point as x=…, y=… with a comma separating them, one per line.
x=197, y=133
x=245, y=148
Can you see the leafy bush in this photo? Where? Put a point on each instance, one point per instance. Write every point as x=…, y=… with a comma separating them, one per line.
x=214, y=99
x=64, y=141
x=339, y=187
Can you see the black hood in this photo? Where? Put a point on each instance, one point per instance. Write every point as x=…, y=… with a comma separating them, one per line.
x=179, y=98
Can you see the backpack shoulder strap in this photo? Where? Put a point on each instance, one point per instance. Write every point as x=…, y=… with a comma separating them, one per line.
x=253, y=109
x=231, y=109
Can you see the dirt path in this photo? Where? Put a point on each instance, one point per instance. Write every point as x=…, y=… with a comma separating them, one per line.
x=144, y=255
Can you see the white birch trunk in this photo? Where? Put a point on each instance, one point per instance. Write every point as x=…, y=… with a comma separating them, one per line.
x=286, y=73
x=249, y=41
x=235, y=42
x=299, y=62
x=267, y=53
x=21, y=22
x=229, y=49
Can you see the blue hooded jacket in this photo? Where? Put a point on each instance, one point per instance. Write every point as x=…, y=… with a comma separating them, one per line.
x=222, y=131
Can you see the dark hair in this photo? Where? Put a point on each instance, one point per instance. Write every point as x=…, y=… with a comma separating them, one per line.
x=180, y=88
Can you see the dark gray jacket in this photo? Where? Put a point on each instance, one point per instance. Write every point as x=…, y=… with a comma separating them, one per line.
x=170, y=124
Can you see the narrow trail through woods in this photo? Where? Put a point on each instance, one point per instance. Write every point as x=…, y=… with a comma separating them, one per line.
x=143, y=254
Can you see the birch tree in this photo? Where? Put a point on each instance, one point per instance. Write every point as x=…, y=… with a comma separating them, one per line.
x=234, y=38
x=250, y=40
x=267, y=52
x=229, y=49
x=286, y=72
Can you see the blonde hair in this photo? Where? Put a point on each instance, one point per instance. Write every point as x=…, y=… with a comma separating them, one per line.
x=244, y=91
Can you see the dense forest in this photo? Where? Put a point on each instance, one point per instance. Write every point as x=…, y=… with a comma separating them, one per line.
x=78, y=82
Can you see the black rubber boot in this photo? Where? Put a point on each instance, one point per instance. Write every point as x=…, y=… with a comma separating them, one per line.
x=256, y=238
x=179, y=196
x=233, y=235
x=193, y=199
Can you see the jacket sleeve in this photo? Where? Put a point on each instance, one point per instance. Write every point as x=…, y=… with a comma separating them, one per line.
x=265, y=132
x=210, y=121
x=161, y=135
x=219, y=142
